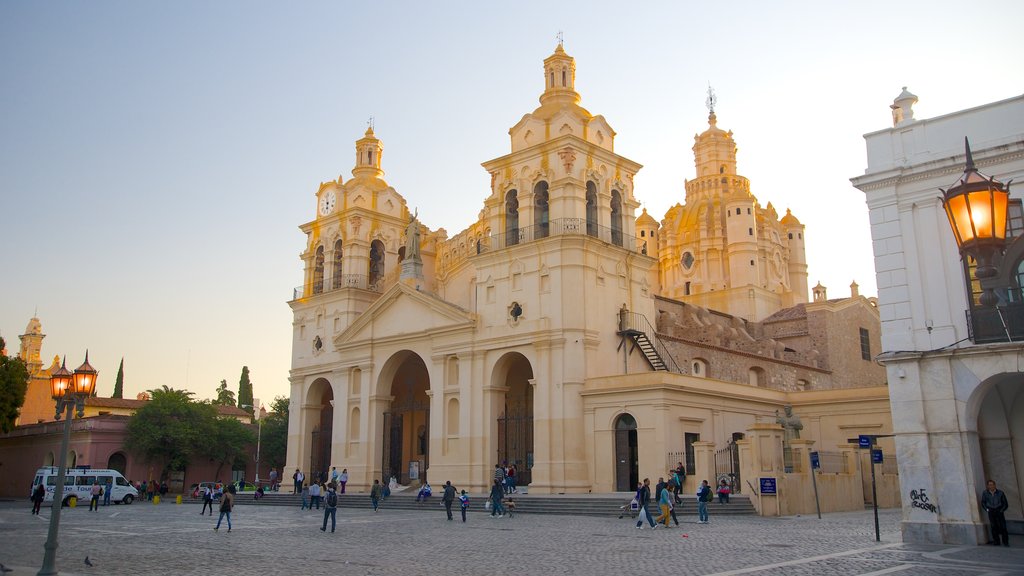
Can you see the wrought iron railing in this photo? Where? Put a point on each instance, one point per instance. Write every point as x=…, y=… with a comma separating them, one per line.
x=1002, y=324
x=360, y=281
x=634, y=322
x=557, y=227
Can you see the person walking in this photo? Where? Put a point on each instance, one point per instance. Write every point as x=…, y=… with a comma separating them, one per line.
x=38, y=495
x=305, y=497
x=314, y=495
x=497, y=493
x=643, y=498
x=448, y=498
x=499, y=476
x=95, y=492
x=226, y=503
x=703, y=497
x=330, y=508
x=207, y=499
x=993, y=500
x=665, y=503
x=464, y=504
x=343, y=479
x=107, y=489
x=375, y=494
x=298, y=478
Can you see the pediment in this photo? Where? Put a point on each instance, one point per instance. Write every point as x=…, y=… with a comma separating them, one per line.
x=404, y=312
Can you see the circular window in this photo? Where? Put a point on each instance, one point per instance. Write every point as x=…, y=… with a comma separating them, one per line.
x=687, y=260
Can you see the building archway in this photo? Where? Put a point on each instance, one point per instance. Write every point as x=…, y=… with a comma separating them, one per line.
x=406, y=432
x=514, y=374
x=1001, y=437
x=321, y=397
x=118, y=461
x=48, y=461
x=627, y=454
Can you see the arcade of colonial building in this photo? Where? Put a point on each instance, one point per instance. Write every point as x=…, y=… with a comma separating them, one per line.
x=565, y=330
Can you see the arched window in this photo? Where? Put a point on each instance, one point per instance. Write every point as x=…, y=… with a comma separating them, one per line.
x=318, y=271
x=353, y=425
x=563, y=77
x=511, y=218
x=541, y=213
x=376, y=263
x=616, y=218
x=369, y=157
x=336, y=275
x=118, y=461
x=591, y=209
x=699, y=367
x=453, y=417
x=552, y=78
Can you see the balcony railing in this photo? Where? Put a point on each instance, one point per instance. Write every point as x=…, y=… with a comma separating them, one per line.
x=360, y=281
x=557, y=227
x=987, y=325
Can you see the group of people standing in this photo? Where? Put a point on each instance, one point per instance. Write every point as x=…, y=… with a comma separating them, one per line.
x=505, y=476
x=667, y=496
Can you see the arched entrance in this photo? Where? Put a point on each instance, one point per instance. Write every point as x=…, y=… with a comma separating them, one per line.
x=320, y=445
x=406, y=434
x=1001, y=438
x=627, y=460
x=118, y=461
x=515, y=421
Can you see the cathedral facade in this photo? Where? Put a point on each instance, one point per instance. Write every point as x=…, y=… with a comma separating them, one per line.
x=562, y=331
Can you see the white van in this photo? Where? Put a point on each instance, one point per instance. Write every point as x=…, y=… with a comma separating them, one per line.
x=78, y=484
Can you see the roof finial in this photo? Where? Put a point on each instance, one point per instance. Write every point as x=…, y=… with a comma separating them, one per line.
x=970, y=159
x=561, y=38
x=712, y=99
x=369, y=123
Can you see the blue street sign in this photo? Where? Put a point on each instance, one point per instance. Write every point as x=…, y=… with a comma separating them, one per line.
x=864, y=441
x=815, y=461
x=876, y=456
x=768, y=486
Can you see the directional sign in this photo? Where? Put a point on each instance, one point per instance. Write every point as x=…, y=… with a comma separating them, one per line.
x=768, y=486
x=876, y=456
x=864, y=441
x=815, y=461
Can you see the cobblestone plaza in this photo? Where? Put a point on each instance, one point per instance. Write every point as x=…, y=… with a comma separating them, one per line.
x=144, y=539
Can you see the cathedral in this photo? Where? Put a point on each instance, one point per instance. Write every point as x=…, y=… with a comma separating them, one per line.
x=565, y=331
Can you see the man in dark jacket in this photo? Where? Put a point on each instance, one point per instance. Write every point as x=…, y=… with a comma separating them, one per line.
x=993, y=500
x=448, y=498
x=643, y=496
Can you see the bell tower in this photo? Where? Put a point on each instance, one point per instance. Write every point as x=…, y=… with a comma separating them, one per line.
x=32, y=346
x=368, y=152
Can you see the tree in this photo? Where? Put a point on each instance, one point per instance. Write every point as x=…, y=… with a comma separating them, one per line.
x=119, y=383
x=14, y=378
x=245, y=391
x=274, y=444
x=225, y=397
x=227, y=440
x=169, y=429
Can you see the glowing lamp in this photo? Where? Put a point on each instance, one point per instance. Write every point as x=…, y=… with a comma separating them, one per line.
x=60, y=382
x=85, y=378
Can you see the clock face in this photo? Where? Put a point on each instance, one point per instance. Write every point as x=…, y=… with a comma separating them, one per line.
x=327, y=203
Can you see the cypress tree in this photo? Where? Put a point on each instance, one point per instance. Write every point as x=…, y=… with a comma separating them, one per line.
x=119, y=383
x=245, y=391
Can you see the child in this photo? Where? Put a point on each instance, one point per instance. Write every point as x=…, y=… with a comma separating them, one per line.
x=510, y=506
x=464, y=504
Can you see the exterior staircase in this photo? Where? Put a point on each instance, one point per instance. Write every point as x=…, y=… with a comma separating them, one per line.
x=638, y=331
x=567, y=505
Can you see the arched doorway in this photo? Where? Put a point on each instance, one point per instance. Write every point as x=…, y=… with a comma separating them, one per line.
x=322, y=435
x=118, y=461
x=1001, y=438
x=515, y=421
x=406, y=434
x=627, y=461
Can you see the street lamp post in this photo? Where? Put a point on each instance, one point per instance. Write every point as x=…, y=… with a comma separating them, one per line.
x=976, y=208
x=69, y=390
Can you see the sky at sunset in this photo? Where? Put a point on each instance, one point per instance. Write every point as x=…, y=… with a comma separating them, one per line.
x=157, y=158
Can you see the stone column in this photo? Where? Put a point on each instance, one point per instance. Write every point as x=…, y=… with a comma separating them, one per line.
x=765, y=461
x=704, y=463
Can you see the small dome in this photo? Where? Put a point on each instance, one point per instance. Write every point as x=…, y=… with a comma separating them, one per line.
x=789, y=220
x=34, y=327
x=905, y=96
x=646, y=219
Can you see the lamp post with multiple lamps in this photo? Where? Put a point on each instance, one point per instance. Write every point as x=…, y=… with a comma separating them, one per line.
x=69, y=390
x=976, y=207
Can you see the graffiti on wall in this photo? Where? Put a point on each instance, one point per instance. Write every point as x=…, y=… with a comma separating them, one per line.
x=918, y=499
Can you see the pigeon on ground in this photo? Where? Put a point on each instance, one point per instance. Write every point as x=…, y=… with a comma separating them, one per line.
x=5, y=569
x=88, y=562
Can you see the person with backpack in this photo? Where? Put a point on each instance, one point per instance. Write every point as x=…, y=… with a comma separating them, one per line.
x=703, y=497
x=448, y=498
x=464, y=504
x=330, y=507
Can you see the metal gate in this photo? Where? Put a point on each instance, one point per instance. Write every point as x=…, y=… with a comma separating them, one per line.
x=321, y=457
x=727, y=467
x=395, y=437
x=515, y=443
